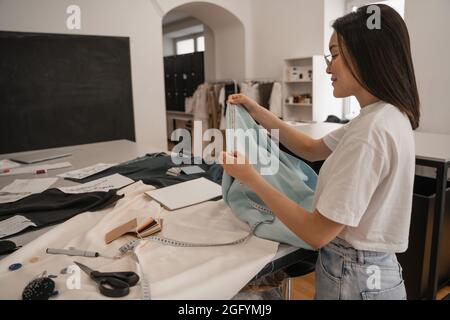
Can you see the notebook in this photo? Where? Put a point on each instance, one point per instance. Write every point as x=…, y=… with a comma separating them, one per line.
x=186, y=194
x=139, y=227
x=143, y=223
x=35, y=157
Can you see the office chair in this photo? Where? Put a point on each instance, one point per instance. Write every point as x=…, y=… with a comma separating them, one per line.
x=334, y=119
x=300, y=268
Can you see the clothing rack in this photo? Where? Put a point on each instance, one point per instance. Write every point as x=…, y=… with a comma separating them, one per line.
x=225, y=81
x=262, y=80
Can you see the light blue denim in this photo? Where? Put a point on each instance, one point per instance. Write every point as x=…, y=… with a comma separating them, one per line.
x=344, y=273
x=294, y=178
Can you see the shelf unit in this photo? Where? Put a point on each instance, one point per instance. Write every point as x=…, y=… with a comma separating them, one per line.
x=315, y=82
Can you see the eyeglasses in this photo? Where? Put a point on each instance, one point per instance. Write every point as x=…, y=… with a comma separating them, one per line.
x=328, y=59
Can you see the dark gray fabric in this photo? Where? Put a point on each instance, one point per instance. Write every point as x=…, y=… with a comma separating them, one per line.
x=54, y=206
x=151, y=169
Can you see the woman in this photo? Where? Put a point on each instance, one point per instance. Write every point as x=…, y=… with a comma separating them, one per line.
x=364, y=194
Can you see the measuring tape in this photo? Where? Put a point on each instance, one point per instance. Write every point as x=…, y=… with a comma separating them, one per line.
x=132, y=245
x=231, y=127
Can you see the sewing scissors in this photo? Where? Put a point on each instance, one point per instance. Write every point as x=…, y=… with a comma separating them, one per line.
x=112, y=284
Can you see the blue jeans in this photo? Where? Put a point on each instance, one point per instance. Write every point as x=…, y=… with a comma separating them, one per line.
x=344, y=273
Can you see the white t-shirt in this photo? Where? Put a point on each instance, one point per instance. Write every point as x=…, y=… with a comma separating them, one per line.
x=367, y=182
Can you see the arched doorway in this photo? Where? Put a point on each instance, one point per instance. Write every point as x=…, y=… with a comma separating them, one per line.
x=221, y=36
x=224, y=38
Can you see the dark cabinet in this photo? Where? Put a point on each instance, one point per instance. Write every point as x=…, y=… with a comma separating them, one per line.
x=416, y=260
x=183, y=74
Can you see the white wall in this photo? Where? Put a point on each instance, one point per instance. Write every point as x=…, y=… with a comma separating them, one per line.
x=168, y=46
x=429, y=24
x=281, y=30
x=333, y=9
x=210, y=55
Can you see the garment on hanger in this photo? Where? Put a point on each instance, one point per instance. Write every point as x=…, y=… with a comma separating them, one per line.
x=276, y=100
x=222, y=104
x=200, y=104
x=152, y=170
x=230, y=88
x=214, y=109
x=265, y=92
x=54, y=206
x=288, y=174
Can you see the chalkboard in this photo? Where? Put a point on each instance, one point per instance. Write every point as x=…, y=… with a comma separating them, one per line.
x=61, y=90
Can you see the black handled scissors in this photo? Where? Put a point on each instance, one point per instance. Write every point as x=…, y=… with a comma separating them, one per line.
x=112, y=284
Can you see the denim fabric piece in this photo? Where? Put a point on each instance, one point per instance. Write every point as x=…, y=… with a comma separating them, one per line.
x=294, y=178
x=344, y=273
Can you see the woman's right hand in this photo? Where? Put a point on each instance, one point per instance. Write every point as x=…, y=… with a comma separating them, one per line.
x=244, y=101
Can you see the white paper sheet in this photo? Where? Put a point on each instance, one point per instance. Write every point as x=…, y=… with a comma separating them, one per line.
x=187, y=193
x=105, y=184
x=8, y=164
x=22, y=188
x=14, y=225
x=87, y=172
x=192, y=170
x=34, y=168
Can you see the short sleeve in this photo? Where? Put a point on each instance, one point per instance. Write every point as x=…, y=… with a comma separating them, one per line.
x=333, y=138
x=352, y=178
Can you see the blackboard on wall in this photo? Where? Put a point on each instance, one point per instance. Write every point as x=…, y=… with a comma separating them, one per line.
x=62, y=90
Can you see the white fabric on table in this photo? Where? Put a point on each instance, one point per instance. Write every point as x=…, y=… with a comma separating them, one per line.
x=173, y=272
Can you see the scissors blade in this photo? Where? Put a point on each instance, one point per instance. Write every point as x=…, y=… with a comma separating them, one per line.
x=84, y=268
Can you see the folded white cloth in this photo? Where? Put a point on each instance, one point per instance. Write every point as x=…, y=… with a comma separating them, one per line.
x=173, y=272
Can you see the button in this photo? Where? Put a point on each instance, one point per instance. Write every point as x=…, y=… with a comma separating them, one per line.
x=15, y=266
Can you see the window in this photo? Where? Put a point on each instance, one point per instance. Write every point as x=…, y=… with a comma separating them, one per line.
x=190, y=44
x=201, y=44
x=185, y=46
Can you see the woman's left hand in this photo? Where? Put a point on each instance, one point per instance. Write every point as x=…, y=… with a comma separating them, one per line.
x=238, y=166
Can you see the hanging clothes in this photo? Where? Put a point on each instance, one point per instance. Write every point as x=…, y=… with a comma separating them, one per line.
x=200, y=104
x=276, y=100
x=251, y=90
x=222, y=105
x=265, y=92
x=230, y=89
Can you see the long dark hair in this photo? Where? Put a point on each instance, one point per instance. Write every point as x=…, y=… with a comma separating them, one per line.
x=380, y=59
